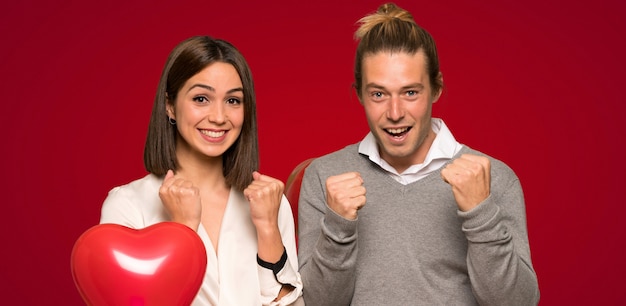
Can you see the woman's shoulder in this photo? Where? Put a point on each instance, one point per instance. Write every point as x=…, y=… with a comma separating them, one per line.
x=138, y=197
x=137, y=187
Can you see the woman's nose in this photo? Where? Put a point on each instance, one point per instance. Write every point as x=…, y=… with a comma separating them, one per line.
x=217, y=113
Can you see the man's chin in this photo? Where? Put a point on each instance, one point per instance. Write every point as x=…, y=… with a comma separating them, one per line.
x=393, y=152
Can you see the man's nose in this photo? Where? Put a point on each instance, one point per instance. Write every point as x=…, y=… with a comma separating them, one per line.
x=396, y=109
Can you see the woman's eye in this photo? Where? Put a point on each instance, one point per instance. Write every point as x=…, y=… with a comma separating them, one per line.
x=201, y=99
x=233, y=101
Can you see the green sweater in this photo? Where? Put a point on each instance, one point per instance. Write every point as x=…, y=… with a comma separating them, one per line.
x=410, y=245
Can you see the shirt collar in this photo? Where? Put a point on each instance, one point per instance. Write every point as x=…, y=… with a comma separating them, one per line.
x=444, y=146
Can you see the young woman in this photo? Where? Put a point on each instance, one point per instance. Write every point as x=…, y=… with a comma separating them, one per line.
x=202, y=155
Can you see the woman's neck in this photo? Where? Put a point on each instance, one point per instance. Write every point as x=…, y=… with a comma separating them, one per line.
x=205, y=172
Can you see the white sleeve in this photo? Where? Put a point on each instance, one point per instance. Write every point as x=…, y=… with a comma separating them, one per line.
x=118, y=208
x=272, y=283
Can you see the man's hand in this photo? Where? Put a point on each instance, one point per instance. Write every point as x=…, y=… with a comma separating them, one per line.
x=345, y=194
x=470, y=178
x=181, y=200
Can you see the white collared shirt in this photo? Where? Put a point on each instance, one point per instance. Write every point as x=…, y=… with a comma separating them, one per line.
x=442, y=150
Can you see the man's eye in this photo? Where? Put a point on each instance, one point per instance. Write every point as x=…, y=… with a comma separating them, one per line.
x=377, y=94
x=411, y=93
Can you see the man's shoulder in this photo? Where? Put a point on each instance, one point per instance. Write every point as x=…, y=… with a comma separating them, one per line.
x=345, y=152
x=498, y=167
x=339, y=159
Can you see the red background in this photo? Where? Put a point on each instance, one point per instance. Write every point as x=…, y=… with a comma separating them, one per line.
x=538, y=85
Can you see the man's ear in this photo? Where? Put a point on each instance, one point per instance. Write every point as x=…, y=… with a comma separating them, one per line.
x=357, y=93
x=439, y=81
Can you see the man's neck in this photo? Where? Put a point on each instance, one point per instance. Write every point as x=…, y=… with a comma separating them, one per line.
x=400, y=164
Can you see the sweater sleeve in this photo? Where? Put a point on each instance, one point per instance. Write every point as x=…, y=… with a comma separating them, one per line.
x=272, y=281
x=327, y=245
x=498, y=257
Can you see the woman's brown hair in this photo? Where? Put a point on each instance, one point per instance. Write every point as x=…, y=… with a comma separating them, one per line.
x=187, y=59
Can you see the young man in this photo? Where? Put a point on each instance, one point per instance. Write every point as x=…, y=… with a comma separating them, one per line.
x=408, y=215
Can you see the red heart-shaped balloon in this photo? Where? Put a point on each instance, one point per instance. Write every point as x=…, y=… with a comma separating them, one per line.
x=163, y=264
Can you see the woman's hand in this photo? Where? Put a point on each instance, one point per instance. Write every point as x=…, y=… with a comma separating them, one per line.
x=265, y=194
x=181, y=200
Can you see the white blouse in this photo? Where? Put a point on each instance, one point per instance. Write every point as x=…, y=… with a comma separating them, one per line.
x=233, y=276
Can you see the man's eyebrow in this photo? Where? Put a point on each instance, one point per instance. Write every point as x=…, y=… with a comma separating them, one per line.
x=374, y=85
x=378, y=86
x=419, y=86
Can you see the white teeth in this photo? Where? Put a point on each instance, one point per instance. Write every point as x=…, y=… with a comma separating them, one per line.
x=397, y=131
x=213, y=134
